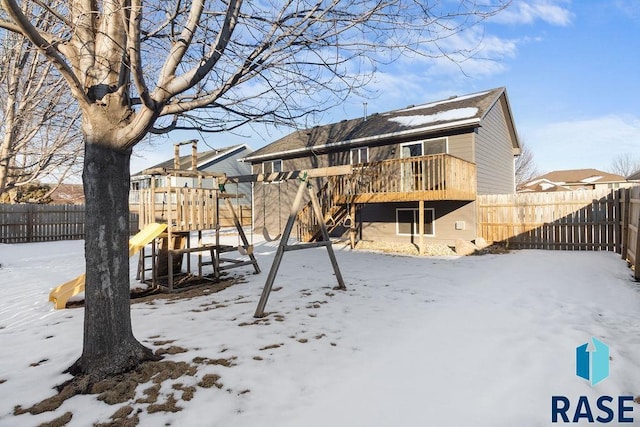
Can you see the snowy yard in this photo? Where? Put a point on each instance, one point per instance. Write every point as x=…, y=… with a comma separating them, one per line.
x=474, y=341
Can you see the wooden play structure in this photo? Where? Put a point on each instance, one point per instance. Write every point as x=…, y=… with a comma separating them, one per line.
x=191, y=206
x=181, y=206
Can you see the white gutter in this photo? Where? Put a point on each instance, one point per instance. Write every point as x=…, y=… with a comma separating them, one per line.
x=375, y=138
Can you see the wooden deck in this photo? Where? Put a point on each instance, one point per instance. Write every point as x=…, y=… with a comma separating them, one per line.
x=427, y=178
x=414, y=179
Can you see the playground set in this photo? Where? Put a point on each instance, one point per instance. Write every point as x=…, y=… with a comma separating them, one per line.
x=186, y=208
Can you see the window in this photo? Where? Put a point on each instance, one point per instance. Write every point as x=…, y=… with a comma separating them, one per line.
x=272, y=166
x=423, y=148
x=407, y=222
x=359, y=155
x=435, y=146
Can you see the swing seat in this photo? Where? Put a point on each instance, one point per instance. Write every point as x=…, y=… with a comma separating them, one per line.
x=247, y=251
x=265, y=234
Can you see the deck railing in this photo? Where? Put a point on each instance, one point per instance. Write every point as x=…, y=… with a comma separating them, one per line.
x=429, y=178
x=434, y=177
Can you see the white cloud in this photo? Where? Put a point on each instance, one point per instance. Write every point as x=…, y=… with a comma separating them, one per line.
x=631, y=8
x=528, y=12
x=578, y=144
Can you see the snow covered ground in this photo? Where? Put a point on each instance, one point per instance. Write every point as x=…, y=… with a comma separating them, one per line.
x=474, y=341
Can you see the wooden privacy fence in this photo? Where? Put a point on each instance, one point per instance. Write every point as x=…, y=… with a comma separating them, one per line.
x=569, y=220
x=40, y=223
x=44, y=223
x=631, y=228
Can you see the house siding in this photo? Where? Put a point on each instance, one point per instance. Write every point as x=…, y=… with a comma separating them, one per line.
x=379, y=222
x=230, y=166
x=461, y=146
x=494, y=154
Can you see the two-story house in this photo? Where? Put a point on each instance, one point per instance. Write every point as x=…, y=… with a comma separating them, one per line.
x=423, y=163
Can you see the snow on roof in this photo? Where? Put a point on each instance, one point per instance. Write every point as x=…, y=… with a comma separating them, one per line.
x=591, y=179
x=457, y=114
x=444, y=101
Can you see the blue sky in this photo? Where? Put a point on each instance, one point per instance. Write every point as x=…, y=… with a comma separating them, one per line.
x=571, y=69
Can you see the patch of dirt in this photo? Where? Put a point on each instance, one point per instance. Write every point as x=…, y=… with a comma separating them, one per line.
x=165, y=342
x=272, y=346
x=260, y=321
x=221, y=362
x=194, y=289
x=33, y=365
x=61, y=421
x=170, y=405
x=122, y=388
x=211, y=380
x=121, y=418
x=152, y=394
x=187, y=391
x=174, y=349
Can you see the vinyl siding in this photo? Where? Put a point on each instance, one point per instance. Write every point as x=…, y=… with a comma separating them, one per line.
x=230, y=166
x=461, y=146
x=379, y=222
x=494, y=154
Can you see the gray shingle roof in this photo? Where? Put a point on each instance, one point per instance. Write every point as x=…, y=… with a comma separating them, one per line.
x=185, y=161
x=455, y=112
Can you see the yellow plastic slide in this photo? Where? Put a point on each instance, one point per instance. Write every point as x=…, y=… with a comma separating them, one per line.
x=60, y=295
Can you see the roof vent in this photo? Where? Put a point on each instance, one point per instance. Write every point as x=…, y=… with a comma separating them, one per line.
x=453, y=97
x=410, y=106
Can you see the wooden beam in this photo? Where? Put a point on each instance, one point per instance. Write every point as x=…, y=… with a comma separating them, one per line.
x=284, y=176
x=182, y=173
x=271, y=277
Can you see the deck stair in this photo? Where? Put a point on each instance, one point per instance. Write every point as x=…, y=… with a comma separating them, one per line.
x=333, y=212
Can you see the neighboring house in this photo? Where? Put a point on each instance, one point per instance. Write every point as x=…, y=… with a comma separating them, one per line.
x=223, y=160
x=576, y=179
x=438, y=155
x=634, y=177
x=68, y=194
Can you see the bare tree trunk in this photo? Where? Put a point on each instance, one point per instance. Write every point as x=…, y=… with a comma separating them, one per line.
x=109, y=345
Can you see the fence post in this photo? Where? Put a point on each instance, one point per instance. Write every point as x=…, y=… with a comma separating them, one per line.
x=30, y=222
x=625, y=210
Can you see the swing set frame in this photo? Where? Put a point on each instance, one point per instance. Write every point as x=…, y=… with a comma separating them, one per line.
x=303, y=177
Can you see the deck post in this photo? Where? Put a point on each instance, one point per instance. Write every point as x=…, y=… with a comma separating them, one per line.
x=421, y=227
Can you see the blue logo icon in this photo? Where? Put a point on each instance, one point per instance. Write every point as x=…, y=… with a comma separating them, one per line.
x=592, y=361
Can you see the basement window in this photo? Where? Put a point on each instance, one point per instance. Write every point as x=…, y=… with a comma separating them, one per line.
x=407, y=222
